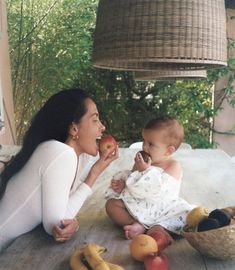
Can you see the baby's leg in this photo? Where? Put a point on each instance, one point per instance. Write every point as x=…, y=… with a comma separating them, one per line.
x=117, y=211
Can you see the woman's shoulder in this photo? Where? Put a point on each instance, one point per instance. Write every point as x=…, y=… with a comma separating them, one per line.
x=54, y=148
x=53, y=144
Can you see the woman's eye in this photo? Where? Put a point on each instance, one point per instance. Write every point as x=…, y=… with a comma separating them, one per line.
x=97, y=120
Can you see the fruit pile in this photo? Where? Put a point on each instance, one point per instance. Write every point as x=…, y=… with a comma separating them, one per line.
x=200, y=219
x=88, y=257
x=148, y=249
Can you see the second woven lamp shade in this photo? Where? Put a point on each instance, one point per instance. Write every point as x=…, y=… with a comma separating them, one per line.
x=162, y=75
x=151, y=34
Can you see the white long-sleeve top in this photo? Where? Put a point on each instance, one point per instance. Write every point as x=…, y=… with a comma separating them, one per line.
x=46, y=190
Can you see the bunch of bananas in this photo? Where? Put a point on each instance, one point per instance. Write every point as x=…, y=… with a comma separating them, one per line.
x=90, y=256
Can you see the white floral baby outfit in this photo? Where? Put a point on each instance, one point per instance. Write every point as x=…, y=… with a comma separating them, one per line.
x=152, y=198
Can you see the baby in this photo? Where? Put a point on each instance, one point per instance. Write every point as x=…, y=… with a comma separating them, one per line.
x=147, y=198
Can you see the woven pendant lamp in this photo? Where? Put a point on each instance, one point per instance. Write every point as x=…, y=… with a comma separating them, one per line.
x=165, y=75
x=151, y=34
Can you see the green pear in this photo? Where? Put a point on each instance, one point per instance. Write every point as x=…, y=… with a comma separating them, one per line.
x=196, y=215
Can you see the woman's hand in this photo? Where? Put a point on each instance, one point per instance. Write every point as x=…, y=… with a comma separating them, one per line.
x=66, y=230
x=101, y=164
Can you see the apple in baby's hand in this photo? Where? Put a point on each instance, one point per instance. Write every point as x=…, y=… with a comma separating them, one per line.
x=156, y=262
x=107, y=142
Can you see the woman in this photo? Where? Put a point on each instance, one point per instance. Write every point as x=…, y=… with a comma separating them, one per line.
x=50, y=178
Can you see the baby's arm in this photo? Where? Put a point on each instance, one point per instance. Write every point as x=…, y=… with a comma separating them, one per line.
x=118, y=185
x=118, y=181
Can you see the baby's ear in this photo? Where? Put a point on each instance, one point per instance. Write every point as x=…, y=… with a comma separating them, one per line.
x=170, y=150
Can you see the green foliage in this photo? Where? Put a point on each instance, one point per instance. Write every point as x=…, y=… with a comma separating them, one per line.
x=50, y=42
x=51, y=48
x=127, y=105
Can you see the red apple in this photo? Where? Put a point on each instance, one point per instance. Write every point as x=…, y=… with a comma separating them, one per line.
x=153, y=262
x=107, y=142
x=163, y=239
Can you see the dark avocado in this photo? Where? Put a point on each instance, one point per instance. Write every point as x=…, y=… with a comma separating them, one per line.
x=208, y=224
x=222, y=217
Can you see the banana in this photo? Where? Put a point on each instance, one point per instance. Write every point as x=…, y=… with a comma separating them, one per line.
x=114, y=266
x=98, y=248
x=93, y=257
x=91, y=254
x=76, y=260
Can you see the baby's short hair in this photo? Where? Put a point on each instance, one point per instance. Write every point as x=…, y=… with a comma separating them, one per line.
x=173, y=130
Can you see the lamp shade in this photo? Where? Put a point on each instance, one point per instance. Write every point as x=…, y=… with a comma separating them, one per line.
x=163, y=75
x=151, y=34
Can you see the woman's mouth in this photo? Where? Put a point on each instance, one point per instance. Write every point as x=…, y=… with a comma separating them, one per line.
x=98, y=140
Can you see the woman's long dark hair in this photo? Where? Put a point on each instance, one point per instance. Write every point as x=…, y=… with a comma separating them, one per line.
x=51, y=122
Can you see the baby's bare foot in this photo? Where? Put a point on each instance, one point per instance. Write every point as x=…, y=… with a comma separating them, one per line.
x=133, y=230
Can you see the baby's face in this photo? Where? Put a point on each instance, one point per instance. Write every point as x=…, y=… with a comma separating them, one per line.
x=155, y=145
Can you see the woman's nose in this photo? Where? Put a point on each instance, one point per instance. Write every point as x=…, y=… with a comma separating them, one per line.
x=102, y=127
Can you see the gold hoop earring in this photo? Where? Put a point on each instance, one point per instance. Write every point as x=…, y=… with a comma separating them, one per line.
x=75, y=138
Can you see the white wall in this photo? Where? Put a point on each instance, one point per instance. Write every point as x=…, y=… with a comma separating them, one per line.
x=7, y=136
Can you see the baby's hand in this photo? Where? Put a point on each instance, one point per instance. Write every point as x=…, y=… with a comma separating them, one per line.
x=117, y=185
x=140, y=164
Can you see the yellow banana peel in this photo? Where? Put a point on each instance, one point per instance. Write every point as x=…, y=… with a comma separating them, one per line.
x=76, y=260
x=91, y=253
x=93, y=257
x=113, y=266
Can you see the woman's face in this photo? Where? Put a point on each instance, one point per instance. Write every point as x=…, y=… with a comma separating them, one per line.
x=90, y=129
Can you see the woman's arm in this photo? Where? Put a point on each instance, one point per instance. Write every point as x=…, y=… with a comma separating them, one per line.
x=57, y=179
x=70, y=226
x=77, y=199
x=57, y=182
x=101, y=164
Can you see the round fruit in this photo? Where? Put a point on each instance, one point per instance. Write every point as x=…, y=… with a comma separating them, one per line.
x=156, y=262
x=141, y=246
x=196, y=215
x=107, y=142
x=162, y=239
x=222, y=217
x=145, y=156
x=208, y=224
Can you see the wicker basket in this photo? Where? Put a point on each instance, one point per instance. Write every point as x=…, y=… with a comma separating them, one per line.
x=151, y=34
x=161, y=75
x=218, y=243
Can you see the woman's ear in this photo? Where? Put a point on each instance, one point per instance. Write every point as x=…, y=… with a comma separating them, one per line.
x=73, y=129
